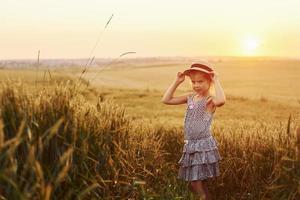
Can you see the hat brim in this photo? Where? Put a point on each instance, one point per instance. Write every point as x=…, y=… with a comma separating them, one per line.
x=188, y=71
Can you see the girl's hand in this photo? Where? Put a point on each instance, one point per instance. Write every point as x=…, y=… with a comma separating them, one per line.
x=180, y=77
x=214, y=75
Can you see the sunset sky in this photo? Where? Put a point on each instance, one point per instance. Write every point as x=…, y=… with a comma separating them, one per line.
x=70, y=28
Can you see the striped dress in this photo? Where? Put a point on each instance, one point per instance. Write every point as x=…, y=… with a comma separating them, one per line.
x=200, y=157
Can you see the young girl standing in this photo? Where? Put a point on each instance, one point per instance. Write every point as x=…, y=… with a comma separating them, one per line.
x=200, y=157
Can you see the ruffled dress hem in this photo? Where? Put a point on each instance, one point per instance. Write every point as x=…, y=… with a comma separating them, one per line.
x=199, y=160
x=199, y=172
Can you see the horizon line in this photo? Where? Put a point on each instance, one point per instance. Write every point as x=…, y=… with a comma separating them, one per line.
x=145, y=57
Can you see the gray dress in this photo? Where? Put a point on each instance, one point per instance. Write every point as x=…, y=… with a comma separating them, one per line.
x=200, y=157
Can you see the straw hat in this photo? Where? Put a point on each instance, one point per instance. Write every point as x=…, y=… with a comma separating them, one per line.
x=202, y=66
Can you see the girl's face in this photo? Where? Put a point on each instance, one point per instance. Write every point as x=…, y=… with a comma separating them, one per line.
x=200, y=81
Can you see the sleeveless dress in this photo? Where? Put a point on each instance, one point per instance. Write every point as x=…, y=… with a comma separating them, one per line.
x=200, y=157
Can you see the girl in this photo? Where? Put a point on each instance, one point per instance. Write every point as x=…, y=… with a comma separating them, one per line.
x=200, y=157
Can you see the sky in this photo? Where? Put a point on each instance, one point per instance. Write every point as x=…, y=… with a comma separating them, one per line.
x=75, y=29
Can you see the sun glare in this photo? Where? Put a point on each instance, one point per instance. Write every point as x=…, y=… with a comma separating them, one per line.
x=250, y=45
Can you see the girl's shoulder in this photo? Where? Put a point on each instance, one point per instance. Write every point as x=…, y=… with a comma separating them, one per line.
x=190, y=95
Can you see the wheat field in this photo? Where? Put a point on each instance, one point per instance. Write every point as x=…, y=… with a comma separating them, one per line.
x=111, y=137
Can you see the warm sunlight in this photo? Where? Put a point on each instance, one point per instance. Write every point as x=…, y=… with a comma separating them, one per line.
x=250, y=45
x=71, y=28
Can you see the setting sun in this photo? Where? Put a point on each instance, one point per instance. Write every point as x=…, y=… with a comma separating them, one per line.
x=250, y=45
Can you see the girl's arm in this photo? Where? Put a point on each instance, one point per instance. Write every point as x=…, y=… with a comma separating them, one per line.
x=219, y=99
x=168, y=96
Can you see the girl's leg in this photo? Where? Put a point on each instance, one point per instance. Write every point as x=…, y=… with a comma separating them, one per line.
x=200, y=188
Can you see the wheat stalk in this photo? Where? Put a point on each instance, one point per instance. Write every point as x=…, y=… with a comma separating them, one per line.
x=298, y=143
x=110, y=63
x=89, y=61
